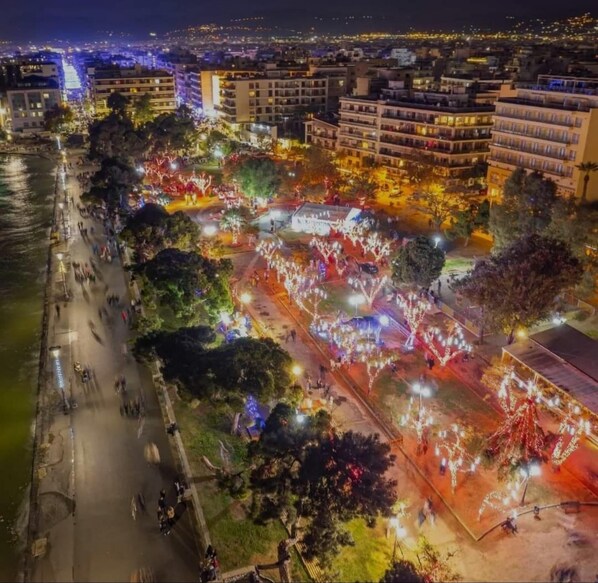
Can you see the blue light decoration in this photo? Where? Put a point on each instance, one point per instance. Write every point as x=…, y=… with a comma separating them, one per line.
x=251, y=408
x=58, y=374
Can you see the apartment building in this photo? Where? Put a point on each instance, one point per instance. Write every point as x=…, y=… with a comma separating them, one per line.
x=260, y=98
x=132, y=83
x=550, y=126
x=446, y=132
x=28, y=102
x=322, y=132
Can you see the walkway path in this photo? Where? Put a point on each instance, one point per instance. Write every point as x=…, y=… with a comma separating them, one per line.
x=95, y=461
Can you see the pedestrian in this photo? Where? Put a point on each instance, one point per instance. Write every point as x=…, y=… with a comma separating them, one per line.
x=123, y=315
x=294, y=334
x=57, y=311
x=126, y=408
x=439, y=286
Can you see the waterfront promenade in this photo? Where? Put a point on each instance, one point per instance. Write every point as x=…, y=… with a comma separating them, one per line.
x=91, y=462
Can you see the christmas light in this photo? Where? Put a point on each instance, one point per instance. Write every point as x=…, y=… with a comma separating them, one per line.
x=443, y=346
x=571, y=430
x=267, y=248
x=456, y=458
x=326, y=248
x=369, y=287
x=414, y=309
x=376, y=245
x=418, y=417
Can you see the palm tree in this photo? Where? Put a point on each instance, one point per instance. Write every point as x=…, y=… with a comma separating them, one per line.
x=586, y=168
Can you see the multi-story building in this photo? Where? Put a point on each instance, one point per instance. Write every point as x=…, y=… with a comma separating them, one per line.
x=254, y=97
x=551, y=127
x=132, y=83
x=28, y=102
x=322, y=132
x=447, y=133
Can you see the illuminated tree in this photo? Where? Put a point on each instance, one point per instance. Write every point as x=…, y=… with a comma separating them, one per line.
x=570, y=432
x=434, y=201
x=369, y=287
x=326, y=248
x=414, y=310
x=453, y=453
x=446, y=345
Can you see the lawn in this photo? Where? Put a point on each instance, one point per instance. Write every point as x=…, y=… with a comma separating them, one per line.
x=239, y=541
x=457, y=264
x=369, y=558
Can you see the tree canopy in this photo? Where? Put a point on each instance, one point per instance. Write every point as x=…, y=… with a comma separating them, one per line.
x=152, y=229
x=229, y=372
x=115, y=136
x=257, y=177
x=436, y=202
x=143, y=111
x=402, y=572
x=113, y=181
x=302, y=465
x=518, y=287
x=171, y=132
x=465, y=221
x=526, y=207
x=417, y=263
x=58, y=118
x=188, y=284
x=117, y=104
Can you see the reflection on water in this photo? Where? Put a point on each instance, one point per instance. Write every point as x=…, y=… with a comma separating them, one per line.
x=26, y=189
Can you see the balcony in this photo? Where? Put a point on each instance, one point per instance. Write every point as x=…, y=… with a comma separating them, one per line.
x=530, y=136
x=350, y=122
x=528, y=150
x=356, y=136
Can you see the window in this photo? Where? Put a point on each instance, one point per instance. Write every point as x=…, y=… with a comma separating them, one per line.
x=46, y=96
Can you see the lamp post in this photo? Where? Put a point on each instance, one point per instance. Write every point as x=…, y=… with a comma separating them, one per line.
x=356, y=300
x=529, y=470
x=62, y=270
x=400, y=533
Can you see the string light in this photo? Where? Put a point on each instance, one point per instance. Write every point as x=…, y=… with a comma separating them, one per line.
x=571, y=430
x=455, y=456
x=414, y=309
x=446, y=347
x=369, y=287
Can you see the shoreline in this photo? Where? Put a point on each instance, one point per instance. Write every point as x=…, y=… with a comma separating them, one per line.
x=41, y=418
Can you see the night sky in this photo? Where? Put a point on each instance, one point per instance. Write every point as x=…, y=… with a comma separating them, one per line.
x=81, y=19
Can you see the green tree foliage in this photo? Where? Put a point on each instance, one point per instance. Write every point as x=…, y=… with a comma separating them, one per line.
x=179, y=347
x=362, y=185
x=143, y=112
x=229, y=372
x=518, y=287
x=303, y=464
x=403, y=572
x=257, y=177
x=172, y=132
x=115, y=136
x=57, y=119
x=316, y=167
x=117, y=104
x=112, y=182
x=526, y=208
x=465, y=221
x=418, y=263
x=433, y=200
x=152, y=229
x=190, y=285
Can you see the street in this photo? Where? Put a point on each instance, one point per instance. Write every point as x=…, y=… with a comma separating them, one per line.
x=106, y=538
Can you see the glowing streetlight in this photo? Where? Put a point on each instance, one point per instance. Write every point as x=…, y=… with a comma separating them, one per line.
x=245, y=298
x=437, y=240
x=400, y=533
x=530, y=470
x=296, y=370
x=210, y=230
x=356, y=300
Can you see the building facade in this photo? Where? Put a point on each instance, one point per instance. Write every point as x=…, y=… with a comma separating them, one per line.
x=28, y=103
x=551, y=127
x=133, y=83
x=450, y=136
x=322, y=133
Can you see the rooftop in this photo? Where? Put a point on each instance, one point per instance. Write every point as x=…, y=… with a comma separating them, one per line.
x=425, y=105
x=565, y=357
x=324, y=212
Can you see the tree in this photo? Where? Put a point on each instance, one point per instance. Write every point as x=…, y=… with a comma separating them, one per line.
x=586, y=168
x=179, y=347
x=436, y=202
x=257, y=177
x=526, y=208
x=117, y=104
x=465, y=221
x=113, y=181
x=229, y=372
x=190, y=285
x=152, y=229
x=58, y=118
x=143, y=111
x=317, y=167
x=417, y=263
x=172, y=132
x=402, y=572
x=362, y=186
x=518, y=287
x=302, y=466
x=116, y=137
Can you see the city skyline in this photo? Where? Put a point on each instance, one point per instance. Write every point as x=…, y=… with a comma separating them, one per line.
x=35, y=21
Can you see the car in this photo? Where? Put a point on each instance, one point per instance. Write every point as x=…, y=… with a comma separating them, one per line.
x=369, y=268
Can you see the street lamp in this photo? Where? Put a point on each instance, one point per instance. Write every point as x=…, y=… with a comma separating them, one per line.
x=245, y=298
x=62, y=270
x=437, y=240
x=296, y=370
x=528, y=471
x=400, y=534
x=356, y=300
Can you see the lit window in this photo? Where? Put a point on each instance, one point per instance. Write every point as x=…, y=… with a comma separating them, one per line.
x=46, y=96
